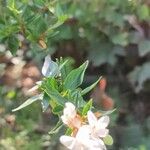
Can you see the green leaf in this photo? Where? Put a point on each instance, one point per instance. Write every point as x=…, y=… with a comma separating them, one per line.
x=144, y=47
x=101, y=53
x=139, y=75
x=13, y=44
x=29, y=101
x=76, y=98
x=144, y=12
x=56, y=129
x=58, y=10
x=45, y=102
x=104, y=113
x=63, y=64
x=36, y=27
x=75, y=77
x=57, y=109
x=87, y=107
x=50, y=87
x=108, y=140
x=11, y=6
x=86, y=90
x=51, y=83
x=66, y=68
x=68, y=131
x=131, y=135
x=55, y=95
x=120, y=39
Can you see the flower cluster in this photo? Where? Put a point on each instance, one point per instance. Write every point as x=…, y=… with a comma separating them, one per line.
x=87, y=133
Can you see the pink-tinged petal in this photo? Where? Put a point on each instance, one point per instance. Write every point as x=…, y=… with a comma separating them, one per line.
x=67, y=141
x=97, y=144
x=103, y=132
x=103, y=122
x=91, y=118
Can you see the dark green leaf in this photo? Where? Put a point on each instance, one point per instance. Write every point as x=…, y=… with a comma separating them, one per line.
x=75, y=77
x=86, y=90
x=56, y=96
x=13, y=44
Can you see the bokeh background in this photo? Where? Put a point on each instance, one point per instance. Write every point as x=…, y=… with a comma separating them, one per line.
x=114, y=35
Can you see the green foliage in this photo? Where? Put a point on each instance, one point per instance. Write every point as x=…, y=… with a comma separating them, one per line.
x=29, y=101
x=56, y=91
x=144, y=47
x=36, y=21
x=75, y=77
x=56, y=128
x=108, y=140
x=105, y=32
x=87, y=107
x=103, y=26
x=139, y=75
x=86, y=90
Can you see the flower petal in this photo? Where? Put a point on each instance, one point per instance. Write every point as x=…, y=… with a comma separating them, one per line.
x=67, y=141
x=103, y=132
x=91, y=118
x=97, y=144
x=83, y=132
x=69, y=110
x=50, y=68
x=70, y=106
x=103, y=122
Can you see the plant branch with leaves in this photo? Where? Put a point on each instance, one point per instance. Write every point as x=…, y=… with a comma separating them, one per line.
x=60, y=89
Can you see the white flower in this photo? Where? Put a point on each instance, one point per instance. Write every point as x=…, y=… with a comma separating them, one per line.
x=50, y=68
x=70, y=116
x=82, y=141
x=98, y=126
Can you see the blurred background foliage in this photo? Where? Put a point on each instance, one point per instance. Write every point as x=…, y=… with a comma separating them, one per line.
x=113, y=34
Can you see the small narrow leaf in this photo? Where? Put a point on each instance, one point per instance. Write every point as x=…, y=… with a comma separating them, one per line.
x=62, y=65
x=107, y=112
x=86, y=90
x=87, y=107
x=56, y=129
x=75, y=77
x=45, y=102
x=29, y=101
